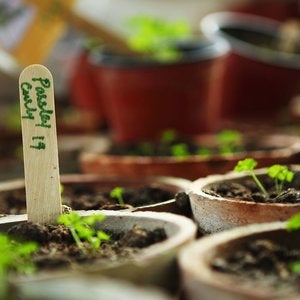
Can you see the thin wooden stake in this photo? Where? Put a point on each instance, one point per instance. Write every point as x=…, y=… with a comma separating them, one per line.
x=40, y=152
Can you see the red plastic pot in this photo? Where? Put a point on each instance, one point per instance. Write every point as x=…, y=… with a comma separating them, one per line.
x=256, y=83
x=143, y=98
x=84, y=91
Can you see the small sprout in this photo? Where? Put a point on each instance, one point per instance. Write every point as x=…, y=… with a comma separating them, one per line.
x=117, y=193
x=203, y=151
x=293, y=223
x=83, y=229
x=228, y=141
x=168, y=136
x=180, y=150
x=280, y=174
x=15, y=256
x=248, y=165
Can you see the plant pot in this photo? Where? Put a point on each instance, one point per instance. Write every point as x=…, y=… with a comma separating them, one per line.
x=216, y=213
x=257, y=82
x=84, y=94
x=158, y=259
x=85, y=287
x=84, y=186
x=142, y=97
x=201, y=281
x=278, y=148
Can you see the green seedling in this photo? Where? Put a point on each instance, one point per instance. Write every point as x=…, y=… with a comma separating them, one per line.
x=155, y=37
x=117, y=193
x=293, y=224
x=15, y=256
x=280, y=174
x=248, y=165
x=83, y=230
x=168, y=136
x=228, y=141
x=180, y=150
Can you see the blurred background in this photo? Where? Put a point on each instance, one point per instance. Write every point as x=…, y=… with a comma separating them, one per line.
x=65, y=35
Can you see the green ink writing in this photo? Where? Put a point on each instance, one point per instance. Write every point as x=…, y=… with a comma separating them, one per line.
x=44, y=113
x=40, y=144
x=26, y=87
x=45, y=82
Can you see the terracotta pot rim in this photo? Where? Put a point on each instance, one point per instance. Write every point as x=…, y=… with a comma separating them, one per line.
x=194, y=258
x=198, y=186
x=211, y=26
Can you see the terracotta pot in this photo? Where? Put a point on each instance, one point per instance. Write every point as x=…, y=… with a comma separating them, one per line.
x=202, y=282
x=257, y=83
x=105, y=183
x=213, y=213
x=158, y=259
x=142, y=98
x=95, y=158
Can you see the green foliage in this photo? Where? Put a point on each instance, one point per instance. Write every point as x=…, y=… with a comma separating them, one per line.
x=14, y=256
x=155, y=37
x=180, y=150
x=293, y=223
x=280, y=174
x=168, y=136
x=83, y=229
x=249, y=164
x=117, y=193
x=228, y=141
x=204, y=151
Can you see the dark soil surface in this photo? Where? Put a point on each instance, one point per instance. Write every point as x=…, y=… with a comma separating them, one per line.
x=262, y=263
x=247, y=190
x=89, y=197
x=58, y=249
x=191, y=147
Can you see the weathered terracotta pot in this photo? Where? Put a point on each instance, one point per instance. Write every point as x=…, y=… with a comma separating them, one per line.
x=200, y=281
x=104, y=183
x=213, y=213
x=280, y=148
x=154, y=265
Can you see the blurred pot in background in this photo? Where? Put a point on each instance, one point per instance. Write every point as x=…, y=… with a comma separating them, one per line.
x=258, y=79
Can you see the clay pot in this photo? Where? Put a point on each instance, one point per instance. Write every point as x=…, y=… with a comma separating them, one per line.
x=95, y=159
x=142, y=98
x=200, y=281
x=85, y=287
x=154, y=265
x=214, y=213
x=257, y=83
x=105, y=183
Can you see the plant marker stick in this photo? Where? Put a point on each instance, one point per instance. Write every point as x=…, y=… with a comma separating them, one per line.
x=40, y=152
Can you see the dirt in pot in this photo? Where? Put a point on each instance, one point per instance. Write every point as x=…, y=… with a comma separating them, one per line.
x=171, y=144
x=57, y=247
x=262, y=263
x=91, y=197
x=247, y=190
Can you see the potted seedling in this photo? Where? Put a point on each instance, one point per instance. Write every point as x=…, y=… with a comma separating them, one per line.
x=82, y=234
x=221, y=202
x=260, y=77
x=257, y=261
x=172, y=154
x=167, y=85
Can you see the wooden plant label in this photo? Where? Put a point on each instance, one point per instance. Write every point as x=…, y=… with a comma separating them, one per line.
x=40, y=152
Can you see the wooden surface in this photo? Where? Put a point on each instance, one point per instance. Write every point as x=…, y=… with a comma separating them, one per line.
x=40, y=144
